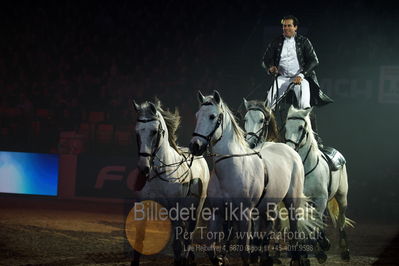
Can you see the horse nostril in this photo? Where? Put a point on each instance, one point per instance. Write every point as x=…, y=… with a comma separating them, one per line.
x=195, y=148
x=146, y=170
x=190, y=147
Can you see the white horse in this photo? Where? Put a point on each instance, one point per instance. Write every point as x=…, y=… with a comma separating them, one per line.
x=259, y=123
x=171, y=177
x=321, y=184
x=247, y=180
x=260, y=126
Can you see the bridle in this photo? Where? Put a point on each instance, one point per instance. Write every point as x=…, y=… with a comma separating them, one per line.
x=209, y=137
x=153, y=155
x=161, y=132
x=265, y=126
x=297, y=143
x=300, y=139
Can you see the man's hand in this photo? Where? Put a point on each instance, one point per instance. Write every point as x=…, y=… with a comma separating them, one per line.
x=297, y=80
x=273, y=70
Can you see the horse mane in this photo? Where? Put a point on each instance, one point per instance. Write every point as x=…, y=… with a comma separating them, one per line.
x=272, y=131
x=172, y=121
x=239, y=133
x=293, y=112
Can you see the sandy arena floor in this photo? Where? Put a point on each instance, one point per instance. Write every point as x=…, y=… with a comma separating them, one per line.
x=54, y=232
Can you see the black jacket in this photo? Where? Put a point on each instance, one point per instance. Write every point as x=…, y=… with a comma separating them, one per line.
x=307, y=59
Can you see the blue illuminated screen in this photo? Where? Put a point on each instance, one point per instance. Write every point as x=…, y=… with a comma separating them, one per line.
x=28, y=173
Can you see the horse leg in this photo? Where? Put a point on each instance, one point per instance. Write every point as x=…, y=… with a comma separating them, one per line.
x=227, y=228
x=343, y=242
x=320, y=243
x=277, y=248
x=215, y=224
x=323, y=241
x=243, y=243
x=342, y=200
x=189, y=257
x=294, y=244
x=256, y=242
x=138, y=244
x=190, y=225
x=136, y=258
x=177, y=244
x=267, y=225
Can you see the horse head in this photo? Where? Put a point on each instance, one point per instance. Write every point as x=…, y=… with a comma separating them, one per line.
x=150, y=132
x=298, y=128
x=209, y=125
x=259, y=123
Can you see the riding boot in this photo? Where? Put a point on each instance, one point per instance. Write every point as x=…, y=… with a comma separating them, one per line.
x=315, y=130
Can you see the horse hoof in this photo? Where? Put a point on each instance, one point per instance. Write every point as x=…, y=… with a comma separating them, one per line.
x=254, y=259
x=325, y=244
x=305, y=262
x=300, y=262
x=277, y=261
x=221, y=260
x=191, y=259
x=184, y=262
x=345, y=255
x=295, y=262
x=321, y=257
x=267, y=261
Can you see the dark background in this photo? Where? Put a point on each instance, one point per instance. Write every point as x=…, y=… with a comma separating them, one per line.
x=73, y=57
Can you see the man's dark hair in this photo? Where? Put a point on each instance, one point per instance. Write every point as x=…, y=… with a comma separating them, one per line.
x=295, y=20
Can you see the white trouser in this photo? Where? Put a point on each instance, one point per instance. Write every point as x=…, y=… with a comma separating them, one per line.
x=302, y=92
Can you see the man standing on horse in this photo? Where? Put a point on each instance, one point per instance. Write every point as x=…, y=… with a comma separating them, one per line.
x=292, y=59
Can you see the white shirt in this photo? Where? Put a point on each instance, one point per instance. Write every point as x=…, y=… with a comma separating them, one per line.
x=289, y=65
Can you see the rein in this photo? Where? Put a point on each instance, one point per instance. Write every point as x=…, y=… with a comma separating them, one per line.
x=160, y=131
x=153, y=155
x=264, y=126
x=276, y=105
x=168, y=177
x=298, y=146
x=208, y=138
x=303, y=135
x=235, y=155
x=219, y=122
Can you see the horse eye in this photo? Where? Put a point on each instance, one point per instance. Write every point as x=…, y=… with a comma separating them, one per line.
x=153, y=132
x=211, y=117
x=261, y=121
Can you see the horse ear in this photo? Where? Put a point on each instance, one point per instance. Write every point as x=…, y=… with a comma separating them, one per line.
x=308, y=110
x=291, y=109
x=153, y=108
x=135, y=105
x=157, y=103
x=201, y=98
x=245, y=103
x=216, y=96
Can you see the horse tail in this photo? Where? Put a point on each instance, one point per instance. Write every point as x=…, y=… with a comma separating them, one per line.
x=307, y=216
x=309, y=219
x=333, y=211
